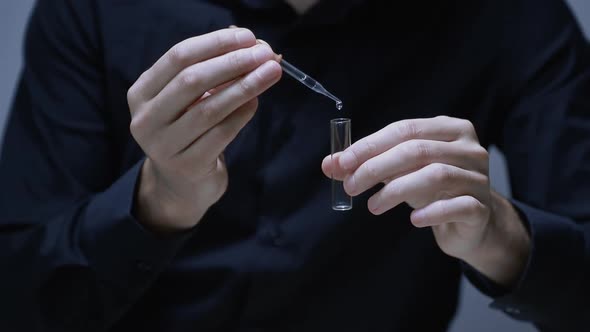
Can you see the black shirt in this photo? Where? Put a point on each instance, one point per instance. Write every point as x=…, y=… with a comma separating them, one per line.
x=272, y=255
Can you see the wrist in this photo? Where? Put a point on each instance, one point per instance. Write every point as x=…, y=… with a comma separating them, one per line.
x=505, y=247
x=158, y=209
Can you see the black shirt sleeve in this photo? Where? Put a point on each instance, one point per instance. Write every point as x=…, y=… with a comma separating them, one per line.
x=545, y=135
x=72, y=256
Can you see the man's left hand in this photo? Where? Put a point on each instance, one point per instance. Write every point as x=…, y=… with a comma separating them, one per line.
x=438, y=167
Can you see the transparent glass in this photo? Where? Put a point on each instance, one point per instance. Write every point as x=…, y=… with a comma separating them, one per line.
x=308, y=81
x=340, y=132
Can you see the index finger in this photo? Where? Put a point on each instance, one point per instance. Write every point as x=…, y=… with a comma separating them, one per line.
x=190, y=52
x=440, y=128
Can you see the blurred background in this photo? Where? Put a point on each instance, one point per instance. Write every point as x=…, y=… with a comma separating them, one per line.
x=474, y=313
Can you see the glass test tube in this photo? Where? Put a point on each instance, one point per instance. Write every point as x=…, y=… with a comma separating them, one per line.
x=340, y=140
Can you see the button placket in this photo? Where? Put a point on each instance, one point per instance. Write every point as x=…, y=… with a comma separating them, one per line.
x=271, y=233
x=512, y=311
x=143, y=266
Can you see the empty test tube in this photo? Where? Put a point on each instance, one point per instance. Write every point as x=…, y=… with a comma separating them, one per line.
x=340, y=133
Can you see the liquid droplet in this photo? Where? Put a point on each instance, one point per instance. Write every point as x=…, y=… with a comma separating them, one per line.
x=339, y=105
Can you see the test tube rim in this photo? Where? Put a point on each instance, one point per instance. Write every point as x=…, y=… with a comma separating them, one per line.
x=340, y=120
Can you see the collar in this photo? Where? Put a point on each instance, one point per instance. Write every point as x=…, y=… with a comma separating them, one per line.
x=262, y=4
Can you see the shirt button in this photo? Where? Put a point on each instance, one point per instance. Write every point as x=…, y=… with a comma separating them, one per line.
x=276, y=237
x=512, y=311
x=252, y=329
x=143, y=266
x=272, y=235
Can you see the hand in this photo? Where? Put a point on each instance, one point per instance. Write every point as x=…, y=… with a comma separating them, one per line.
x=438, y=168
x=185, y=110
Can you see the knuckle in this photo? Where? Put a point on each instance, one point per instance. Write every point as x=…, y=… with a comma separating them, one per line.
x=482, y=158
x=138, y=124
x=220, y=40
x=363, y=149
x=208, y=112
x=482, y=180
x=179, y=55
x=440, y=173
x=370, y=171
x=149, y=142
x=235, y=60
x=444, y=194
x=467, y=127
x=393, y=189
x=474, y=207
x=133, y=97
x=370, y=147
x=244, y=35
x=481, y=153
x=190, y=78
x=407, y=129
x=421, y=151
x=247, y=85
x=224, y=40
x=442, y=207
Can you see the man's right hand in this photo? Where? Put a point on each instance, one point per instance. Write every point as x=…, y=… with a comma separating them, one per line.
x=185, y=110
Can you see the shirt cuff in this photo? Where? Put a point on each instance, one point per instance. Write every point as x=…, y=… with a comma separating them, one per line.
x=118, y=248
x=553, y=274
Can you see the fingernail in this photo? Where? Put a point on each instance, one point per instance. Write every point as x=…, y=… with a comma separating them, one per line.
x=347, y=160
x=244, y=35
x=373, y=205
x=261, y=53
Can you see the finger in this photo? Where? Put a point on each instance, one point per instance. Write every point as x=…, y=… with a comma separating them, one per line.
x=194, y=81
x=412, y=155
x=212, y=110
x=221, y=87
x=441, y=128
x=429, y=184
x=331, y=167
x=210, y=146
x=463, y=209
x=210, y=92
x=278, y=57
x=190, y=52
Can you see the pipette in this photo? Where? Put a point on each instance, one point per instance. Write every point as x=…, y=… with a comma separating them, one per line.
x=309, y=82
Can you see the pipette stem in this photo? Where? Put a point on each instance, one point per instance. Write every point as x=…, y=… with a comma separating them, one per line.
x=308, y=81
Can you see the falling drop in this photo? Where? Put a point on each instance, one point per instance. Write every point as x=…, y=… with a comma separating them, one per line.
x=339, y=105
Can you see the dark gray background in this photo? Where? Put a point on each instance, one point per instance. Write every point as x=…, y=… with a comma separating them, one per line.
x=474, y=314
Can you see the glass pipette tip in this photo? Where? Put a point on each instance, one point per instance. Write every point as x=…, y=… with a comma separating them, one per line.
x=308, y=82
